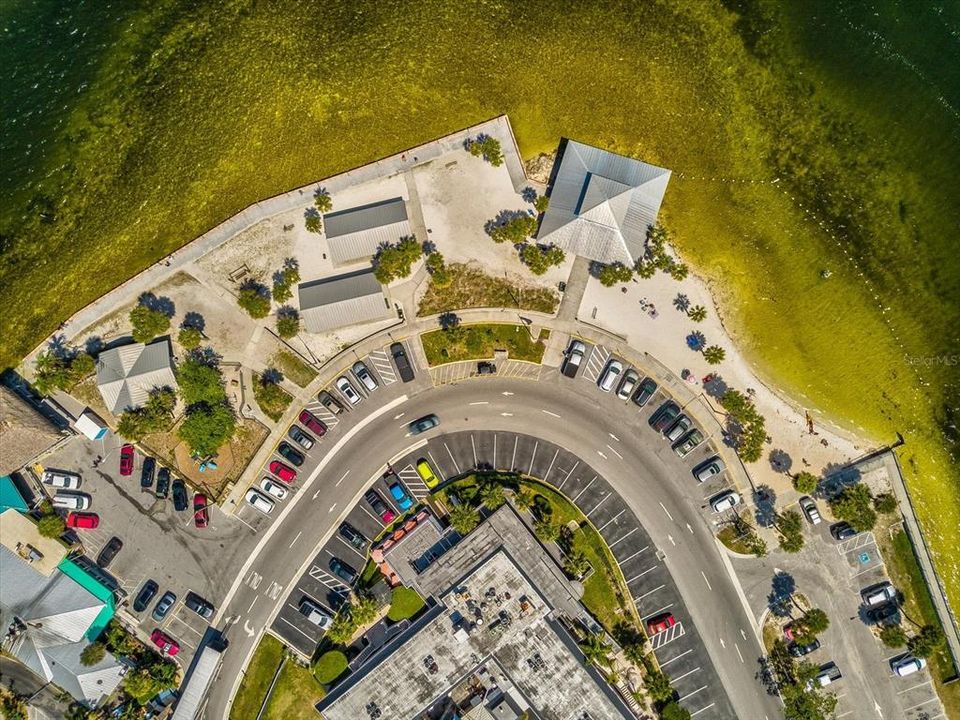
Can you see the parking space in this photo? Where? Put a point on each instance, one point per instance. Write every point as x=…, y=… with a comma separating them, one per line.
x=468, y=369
x=379, y=362
x=186, y=627
x=597, y=358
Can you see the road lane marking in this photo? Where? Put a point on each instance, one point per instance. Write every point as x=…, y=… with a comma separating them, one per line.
x=613, y=436
x=552, y=414
x=615, y=452
x=255, y=598
x=506, y=414
x=601, y=455
x=342, y=478
x=631, y=532
x=295, y=539
x=690, y=528
x=317, y=493
x=685, y=652
x=743, y=634
x=666, y=511
x=709, y=586
x=397, y=417
x=649, y=592
x=739, y=654
x=480, y=402
x=331, y=508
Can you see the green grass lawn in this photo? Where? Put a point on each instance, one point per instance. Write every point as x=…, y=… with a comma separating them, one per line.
x=293, y=368
x=294, y=695
x=904, y=571
x=257, y=679
x=404, y=603
x=164, y=119
x=470, y=287
x=478, y=342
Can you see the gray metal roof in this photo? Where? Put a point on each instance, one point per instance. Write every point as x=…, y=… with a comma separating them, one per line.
x=351, y=299
x=127, y=374
x=364, y=217
x=601, y=204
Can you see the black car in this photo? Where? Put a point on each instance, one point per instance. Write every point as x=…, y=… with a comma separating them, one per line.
x=664, y=416
x=200, y=606
x=884, y=613
x=644, y=391
x=109, y=551
x=180, y=502
x=163, y=606
x=425, y=423
x=147, y=472
x=300, y=437
x=289, y=453
x=798, y=650
x=163, y=483
x=402, y=362
x=842, y=531
x=145, y=595
x=353, y=536
x=343, y=571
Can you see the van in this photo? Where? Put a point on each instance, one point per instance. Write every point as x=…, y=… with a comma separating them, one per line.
x=610, y=375
x=71, y=500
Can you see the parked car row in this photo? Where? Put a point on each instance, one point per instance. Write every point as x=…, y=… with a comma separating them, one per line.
x=166, y=644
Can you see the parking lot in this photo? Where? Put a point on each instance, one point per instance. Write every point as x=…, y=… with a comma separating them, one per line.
x=159, y=543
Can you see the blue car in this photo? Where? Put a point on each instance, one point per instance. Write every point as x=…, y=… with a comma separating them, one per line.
x=404, y=501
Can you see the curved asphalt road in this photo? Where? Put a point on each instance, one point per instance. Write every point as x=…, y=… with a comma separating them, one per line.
x=610, y=435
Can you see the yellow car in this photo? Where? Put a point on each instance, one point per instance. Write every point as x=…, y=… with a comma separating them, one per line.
x=429, y=479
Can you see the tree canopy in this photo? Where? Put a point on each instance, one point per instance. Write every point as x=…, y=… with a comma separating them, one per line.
x=610, y=275
x=189, y=337
x=200, y=380
x=58, y=371
x=790, y=526
x=855, y=505
x=540, y=259
x=288, y=322
x=488, y=148
x=805, y=482
x=255, y=299
x=926, y=642
x=745, y=426
x=148, y=323
x=207, y=427
x=464, y=518
x=396, y=261
x=155, y=415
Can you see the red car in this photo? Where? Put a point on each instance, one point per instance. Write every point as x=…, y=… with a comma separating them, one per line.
x=284, y=472
x=83, y=520
x=200, y=516
x=167, y=645
x=126, y=460
x=660, y=623
x=310, y=420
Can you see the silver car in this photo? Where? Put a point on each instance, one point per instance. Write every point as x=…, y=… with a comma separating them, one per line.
x=810, y=510
x=708, y=468
x=609, y=376
x=679, y=427
x=259, y=502
x=364, y=376
x=571, y=364
x=878, y=594
x=349, y=392
x=629, y=382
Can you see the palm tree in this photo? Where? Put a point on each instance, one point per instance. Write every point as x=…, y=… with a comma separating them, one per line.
x=681, y=302
x=595, y=650
x=714, y=354
x=698, y=313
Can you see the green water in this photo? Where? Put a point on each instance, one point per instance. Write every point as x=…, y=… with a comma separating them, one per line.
x=803, y=136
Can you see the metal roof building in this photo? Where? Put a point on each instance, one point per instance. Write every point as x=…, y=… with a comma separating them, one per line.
x=356, y=233
x=127, y=374
x=601, y=204
x=342, y=301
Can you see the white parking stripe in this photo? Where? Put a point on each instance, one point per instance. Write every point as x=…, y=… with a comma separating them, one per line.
x=600, y=529
x=657, y=611
x=296, y=628
x=914, y=687
x=547, y=475
x=599, y=504
x=560, y=486
x=621, y=563
x=453, y=459
x=667, y=662
x=640, y=575
x=631, y=532
x=351, y=547
x=681, y=677
x=533, y=457
x=706, y=708
x=684, y=697
x=650, y=592
x=375, y=517
x=584, y=490
x=473, y=445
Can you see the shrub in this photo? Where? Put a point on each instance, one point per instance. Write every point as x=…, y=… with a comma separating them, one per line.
x=156, y=415
x=59, y=372
x=329, y=666
x=271, y=398
x=464, y=518
x=146, y=682
x=885, y=503
x=363, y=609
x=437, y=268
x=805, y=483
x=189, y=338
x=538, y=259
x=714, y=354
x=926, y=642
x=255, y=299
x=524, y=498
x=674, y=711
x=576, y=564
x=679, y=271
x=492, y=495
x=342, y=629
x=148, y=323
x=396, y=261
x=288, y=322
x=893, y=636
x=547, y=530
x=610, y=275
x=404, y=603
x=698, y=313
x=854, y=504
x=488, y=148
x=92, y=654
x=51, y=526
x=515, y=230
x=281, y=292
x=658, y=686
x=312, y=221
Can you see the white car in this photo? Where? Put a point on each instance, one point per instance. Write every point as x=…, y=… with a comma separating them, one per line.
x=60, y=479
x=344, y=386
x=810, y=510
x=907, y=665
x=312, y=612
x=364, y=376
x=259, y=502
x=610, y=375
x=71, y=501
x=272, y=488
x=878, y=594
x=725, y=501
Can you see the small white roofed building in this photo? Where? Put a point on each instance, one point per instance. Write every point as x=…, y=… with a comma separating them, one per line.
x=357, y=233
x=343, y=301
x=127, y=374
x=601, y=204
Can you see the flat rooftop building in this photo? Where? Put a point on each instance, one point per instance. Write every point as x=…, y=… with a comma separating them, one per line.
x=491, y=631
x=358, y=232
x=342, y=301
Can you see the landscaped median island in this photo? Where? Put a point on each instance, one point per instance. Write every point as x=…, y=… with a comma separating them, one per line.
x=470, y=287
x=477, y=342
